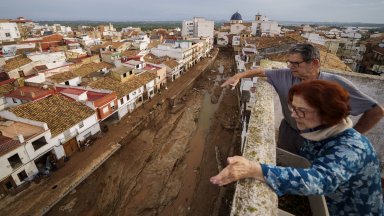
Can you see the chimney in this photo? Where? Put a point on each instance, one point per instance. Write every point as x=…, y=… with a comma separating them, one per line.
x=22, y=93
x=20, y=137
x=33, y=94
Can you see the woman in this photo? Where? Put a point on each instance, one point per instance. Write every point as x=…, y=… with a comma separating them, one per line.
x=344, y=165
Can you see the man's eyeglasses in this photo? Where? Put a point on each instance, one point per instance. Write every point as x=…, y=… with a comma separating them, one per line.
x=300, y=112
x=295, y=64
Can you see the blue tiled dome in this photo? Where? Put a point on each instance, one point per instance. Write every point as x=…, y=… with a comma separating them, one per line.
x=236, y=16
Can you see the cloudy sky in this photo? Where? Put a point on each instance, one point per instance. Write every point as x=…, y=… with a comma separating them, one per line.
x=369, y=11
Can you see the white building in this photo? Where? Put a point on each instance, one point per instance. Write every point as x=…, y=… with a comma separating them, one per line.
x=222, y=37
x=9, y=31
x=45, y=58
x=70, y=122
x=180, y=50
x=141, y=41
x=173, y=69
x=261, y=26
x=314, y=38
x=25, y=145
x=10, y=50
x=198, y=27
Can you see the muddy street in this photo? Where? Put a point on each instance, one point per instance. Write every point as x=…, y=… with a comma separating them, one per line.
x=165, y=169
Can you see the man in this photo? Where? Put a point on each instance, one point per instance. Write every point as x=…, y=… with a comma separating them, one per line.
x=304, y=64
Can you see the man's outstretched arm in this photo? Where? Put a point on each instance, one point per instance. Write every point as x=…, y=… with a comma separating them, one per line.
x=232, y=81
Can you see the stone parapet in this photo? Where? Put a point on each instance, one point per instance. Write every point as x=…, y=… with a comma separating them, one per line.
x=253, y=197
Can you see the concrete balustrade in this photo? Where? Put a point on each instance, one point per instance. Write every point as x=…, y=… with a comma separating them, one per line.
x=253, y=197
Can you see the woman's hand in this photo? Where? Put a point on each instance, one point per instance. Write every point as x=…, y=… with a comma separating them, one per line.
x=238, y=168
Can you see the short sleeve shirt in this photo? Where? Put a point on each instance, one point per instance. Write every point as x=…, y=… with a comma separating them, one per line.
x=282, y=80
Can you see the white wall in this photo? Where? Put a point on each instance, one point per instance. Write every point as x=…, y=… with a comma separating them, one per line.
x=204, y=28
x=9, y=31
x=73, y=82
x=44, y=58
x=11, y=102
x=187, y=28
x=33, y=154
x=3, y=103
x=5, y=166
x=39, y=78
x=237, y=28
x=166, y=50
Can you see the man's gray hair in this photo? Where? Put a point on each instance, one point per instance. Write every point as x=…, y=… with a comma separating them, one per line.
x=307, y=51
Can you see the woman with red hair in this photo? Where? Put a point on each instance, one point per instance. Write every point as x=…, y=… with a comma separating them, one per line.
x=344, y=165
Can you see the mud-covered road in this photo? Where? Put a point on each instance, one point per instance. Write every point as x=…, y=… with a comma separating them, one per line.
x=165, y=170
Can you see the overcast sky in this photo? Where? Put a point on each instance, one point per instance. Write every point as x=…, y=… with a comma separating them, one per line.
x=369, y=11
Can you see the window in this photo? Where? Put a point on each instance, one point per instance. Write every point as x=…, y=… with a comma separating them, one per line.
x=112, y=105
x=39, y=143
x=21, y=73
x=9, y=185
x=127, y=97
x=7, y=35
x=130, y=72
x=125, y=75
x=122, y=100
x=22, y=175
x=105, y=109
x=15, y=161
x=14, y=100
x=81, y=124
x=66, y=83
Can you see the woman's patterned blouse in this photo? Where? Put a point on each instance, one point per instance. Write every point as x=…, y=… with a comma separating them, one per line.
x=345, y=169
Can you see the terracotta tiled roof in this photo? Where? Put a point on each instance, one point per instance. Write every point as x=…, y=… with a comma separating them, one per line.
x=128, y=53
x=116, y=45
x=6, y=88
x=8, y=144
x=171, y=63
x=378, y=49
x=91, y=95
x=27, y=50
x=375, y=40
x=125, y=88
x=16, y=62
x=267, y=42
x=154, y=59
x=96, y=48
x=62, y=77
x=59, y=112
x=29, y=93
x=89, y=68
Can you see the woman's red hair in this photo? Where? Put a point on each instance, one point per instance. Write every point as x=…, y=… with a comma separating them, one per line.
x=327, y=97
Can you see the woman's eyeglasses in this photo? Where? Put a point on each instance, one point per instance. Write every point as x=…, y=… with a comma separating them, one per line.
x=300, y=112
